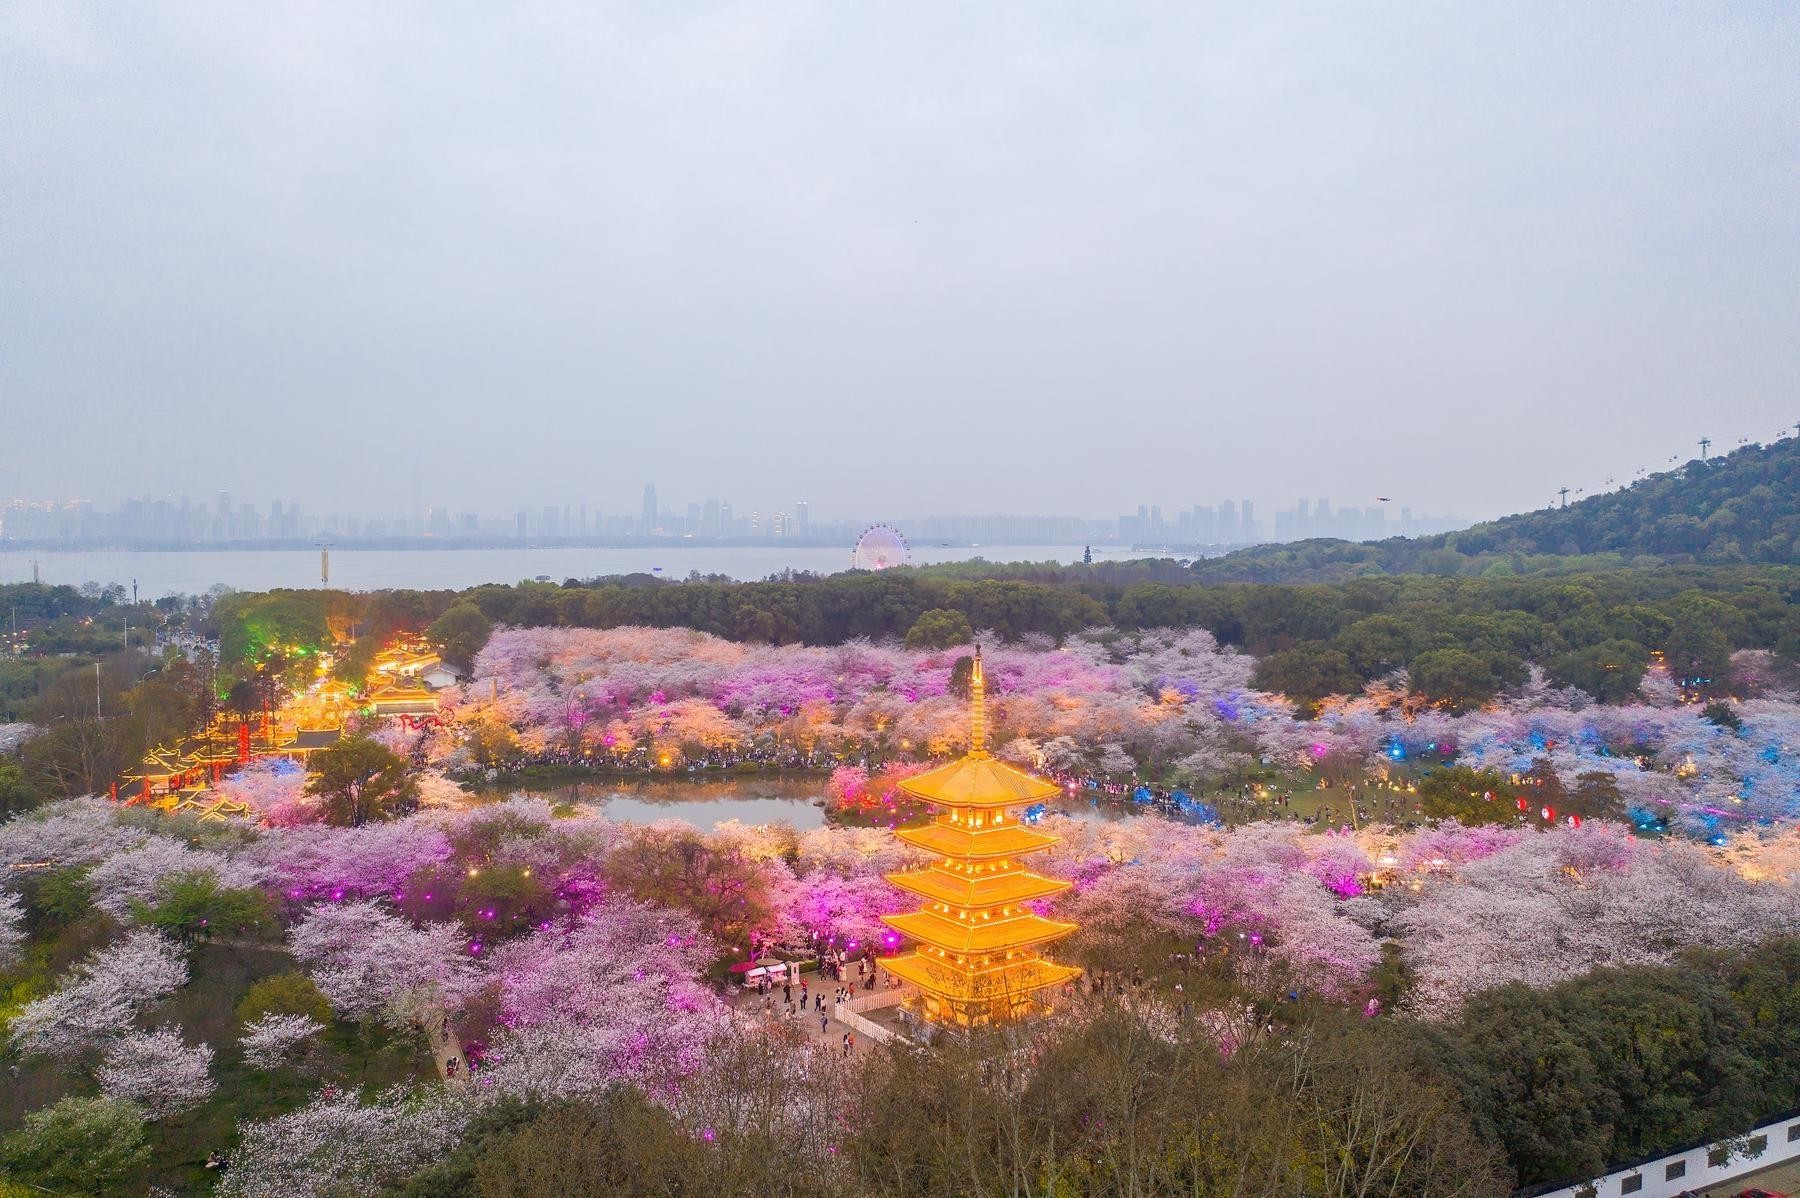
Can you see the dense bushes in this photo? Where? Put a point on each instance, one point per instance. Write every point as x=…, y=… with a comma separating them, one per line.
x=1625, y=1064
x=1527, y=1086
x=1742, y=507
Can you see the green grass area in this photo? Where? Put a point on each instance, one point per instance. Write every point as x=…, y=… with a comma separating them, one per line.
x=348, y=1057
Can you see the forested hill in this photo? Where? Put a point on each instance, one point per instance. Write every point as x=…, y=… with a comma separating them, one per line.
x=1740, y=507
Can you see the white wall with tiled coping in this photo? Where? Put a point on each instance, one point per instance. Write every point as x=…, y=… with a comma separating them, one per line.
x=850, y=1013
x=1697, y=1168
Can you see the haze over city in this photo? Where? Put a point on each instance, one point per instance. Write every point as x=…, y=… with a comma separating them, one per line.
x=894, y=261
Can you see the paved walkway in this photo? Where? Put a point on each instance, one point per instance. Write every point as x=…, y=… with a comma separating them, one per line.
x=751, y=1003
x=445, y=1047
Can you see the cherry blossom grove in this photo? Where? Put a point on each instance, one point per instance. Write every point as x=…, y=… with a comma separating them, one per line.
x=1152, y=704
x=397, y=923
x=98, y=999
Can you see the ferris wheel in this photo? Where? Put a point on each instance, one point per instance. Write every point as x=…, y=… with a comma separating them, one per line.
x=880, y=547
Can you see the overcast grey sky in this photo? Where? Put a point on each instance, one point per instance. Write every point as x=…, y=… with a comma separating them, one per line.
x=893, y=258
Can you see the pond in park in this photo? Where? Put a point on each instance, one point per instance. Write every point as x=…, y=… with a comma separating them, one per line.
x=796, y=799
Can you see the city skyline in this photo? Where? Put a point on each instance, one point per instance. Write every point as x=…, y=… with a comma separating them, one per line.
x=177, y=518
x=227, y=520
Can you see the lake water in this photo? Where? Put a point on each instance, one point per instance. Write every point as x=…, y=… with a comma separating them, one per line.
x=703, y=804
x=709, y=803
x=159, y=572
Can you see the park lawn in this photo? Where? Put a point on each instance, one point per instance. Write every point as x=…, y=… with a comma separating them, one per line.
x=348, y=1056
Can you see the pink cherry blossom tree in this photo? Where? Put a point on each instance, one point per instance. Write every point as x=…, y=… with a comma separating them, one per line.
x=98, y=998
x=268, y=1042
x=338, y=1147
x=373, y=965
x=12, y=928
x=158, y=1071
x=611, y=997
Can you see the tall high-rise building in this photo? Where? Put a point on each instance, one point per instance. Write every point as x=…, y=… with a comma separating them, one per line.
x=802, y=518
x=709, y=519
x=1247, y=530
x=648, y=524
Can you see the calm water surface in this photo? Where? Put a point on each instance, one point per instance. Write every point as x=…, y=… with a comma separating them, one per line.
x=159, y=573
x=708, y=803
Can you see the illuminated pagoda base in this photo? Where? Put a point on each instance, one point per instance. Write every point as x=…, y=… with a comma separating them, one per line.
x=977, y=960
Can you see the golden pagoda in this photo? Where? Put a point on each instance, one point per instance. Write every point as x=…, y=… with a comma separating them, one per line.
x=977, y=959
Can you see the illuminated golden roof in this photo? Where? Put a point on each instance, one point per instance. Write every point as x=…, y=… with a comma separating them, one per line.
x=949, y=840
x=994, y=890
x=978, y=780
x=959, y=985
x=978, y=935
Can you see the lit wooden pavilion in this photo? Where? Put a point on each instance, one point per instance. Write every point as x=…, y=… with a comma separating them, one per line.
x=402, y=696
x=978, y=958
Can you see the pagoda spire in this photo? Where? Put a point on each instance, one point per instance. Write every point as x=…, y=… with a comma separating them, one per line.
x=977, y=708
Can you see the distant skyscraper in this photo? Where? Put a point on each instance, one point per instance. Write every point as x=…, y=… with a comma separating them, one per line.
x=802, y=518
x=648, y=521
x=709, y=519
x=1249, y=521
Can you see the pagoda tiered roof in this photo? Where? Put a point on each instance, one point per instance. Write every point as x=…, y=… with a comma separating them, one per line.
x=977, y=957
x=946, y=931
x=944, y=839
x=1007, y=985
x=978, y=781
x=978, y=892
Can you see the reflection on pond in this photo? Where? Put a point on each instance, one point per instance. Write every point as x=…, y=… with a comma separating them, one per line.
x=708, y=802
x=703, y=803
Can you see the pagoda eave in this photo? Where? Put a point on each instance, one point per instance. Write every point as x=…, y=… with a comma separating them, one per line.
x=978, y=936
x=997, y=891
x=959, y=987
x=947, y=840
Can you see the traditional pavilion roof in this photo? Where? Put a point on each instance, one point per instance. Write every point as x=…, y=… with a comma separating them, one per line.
x=951, y=840
x=403, y=696
x=164, y=763
x=308, y=739
x=212, y=748
x=405, y=659
x=994, y=890
x=978, y=935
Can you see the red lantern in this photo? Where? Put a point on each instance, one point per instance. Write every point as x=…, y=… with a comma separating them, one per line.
x=1521, y=801
x=1574, y=821
x=1549, y=814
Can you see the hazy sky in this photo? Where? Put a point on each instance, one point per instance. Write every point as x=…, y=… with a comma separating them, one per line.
x=892, y=258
